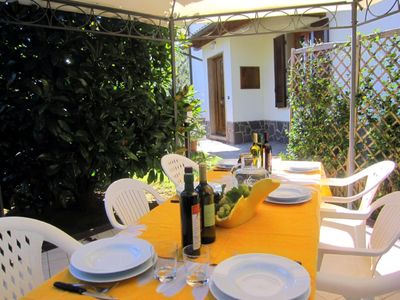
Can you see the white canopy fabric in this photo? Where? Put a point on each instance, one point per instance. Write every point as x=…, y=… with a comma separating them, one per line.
x=183, y=9
x=188, y=9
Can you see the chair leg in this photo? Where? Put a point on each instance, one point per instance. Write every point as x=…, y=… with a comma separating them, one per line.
x=359, y=236
x=319, y=262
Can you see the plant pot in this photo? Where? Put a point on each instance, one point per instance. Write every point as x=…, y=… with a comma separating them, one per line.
x=193, y=146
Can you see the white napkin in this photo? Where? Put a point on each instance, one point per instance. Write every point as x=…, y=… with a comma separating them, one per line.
x=287, y=177
x=133, y=230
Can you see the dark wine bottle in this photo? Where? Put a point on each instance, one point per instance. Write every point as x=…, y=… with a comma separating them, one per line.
x=206, y=196
x=190, y=213
x=267, y=154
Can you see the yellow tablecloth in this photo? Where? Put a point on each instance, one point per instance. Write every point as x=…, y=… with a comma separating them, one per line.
x=287, y=230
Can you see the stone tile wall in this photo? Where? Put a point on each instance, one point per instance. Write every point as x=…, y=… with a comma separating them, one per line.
x=240, y=132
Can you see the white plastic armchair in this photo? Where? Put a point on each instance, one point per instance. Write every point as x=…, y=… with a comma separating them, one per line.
x=126, y=199
x=354, y=288
x=337, y=216
x=385, y=233
x=174, y=167
x=21, y=242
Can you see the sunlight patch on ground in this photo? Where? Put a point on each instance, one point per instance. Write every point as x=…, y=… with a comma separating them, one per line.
x=215, y=146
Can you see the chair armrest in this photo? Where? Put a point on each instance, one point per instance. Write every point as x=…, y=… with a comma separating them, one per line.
x=329, y=249
x=342, y=181
x=344, y=200
x=357, y=288
x=343, y=213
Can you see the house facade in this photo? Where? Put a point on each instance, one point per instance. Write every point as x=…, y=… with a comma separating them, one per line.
x=238, y=82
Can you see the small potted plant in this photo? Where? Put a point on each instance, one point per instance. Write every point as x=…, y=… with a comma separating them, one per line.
x=196, y=134
x=192, y=117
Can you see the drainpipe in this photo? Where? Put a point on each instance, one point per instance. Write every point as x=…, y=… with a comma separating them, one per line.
x=354, y=88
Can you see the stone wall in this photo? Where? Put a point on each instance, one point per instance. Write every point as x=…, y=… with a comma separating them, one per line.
x=240, y=132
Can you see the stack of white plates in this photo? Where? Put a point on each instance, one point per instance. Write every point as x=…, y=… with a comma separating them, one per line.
x=226, y=164
x=260, y=276
x=303, y=166
x=112, y=259
x=289, y=194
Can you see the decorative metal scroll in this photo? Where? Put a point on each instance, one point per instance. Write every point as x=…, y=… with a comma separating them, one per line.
x=82, y=17
x=295, y=20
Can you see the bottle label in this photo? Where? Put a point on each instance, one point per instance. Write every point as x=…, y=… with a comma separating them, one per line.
x=196, y=226
x=209, y=215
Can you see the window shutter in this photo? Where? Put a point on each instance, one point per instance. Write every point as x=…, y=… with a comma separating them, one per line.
x=280, y=71
x=321, y=36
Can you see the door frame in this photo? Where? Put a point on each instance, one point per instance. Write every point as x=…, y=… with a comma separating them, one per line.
x=211, y=91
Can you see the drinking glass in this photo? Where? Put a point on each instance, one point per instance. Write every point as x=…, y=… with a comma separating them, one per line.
x=165, y=268
x=196, y=264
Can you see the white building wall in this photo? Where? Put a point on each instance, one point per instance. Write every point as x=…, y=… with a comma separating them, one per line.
x=255, y=104
x=344, y=17
x=199, y=80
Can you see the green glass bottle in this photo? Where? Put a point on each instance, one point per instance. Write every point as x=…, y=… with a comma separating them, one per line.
x=206, y=196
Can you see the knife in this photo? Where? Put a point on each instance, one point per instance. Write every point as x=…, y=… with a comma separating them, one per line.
x=80, y=290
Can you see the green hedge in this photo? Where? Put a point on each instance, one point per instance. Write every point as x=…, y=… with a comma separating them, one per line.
x=79, y=110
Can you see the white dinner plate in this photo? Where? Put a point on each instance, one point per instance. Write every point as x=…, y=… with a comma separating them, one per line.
x=217, y=293
x=261, y=276
x=111, y=255
x=102, y=278
x=291, y=202
x=290, y=193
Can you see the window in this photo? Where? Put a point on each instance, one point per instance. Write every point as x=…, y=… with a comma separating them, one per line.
x=249, y=77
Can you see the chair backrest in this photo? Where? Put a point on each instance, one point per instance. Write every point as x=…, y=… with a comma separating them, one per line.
x=386, y=230
x=174, y=167
x=21, y=242
x=376, y=174
x=127, y=199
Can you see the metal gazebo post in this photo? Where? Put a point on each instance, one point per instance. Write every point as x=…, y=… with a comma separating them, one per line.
x=173, y=69
x=354, y=80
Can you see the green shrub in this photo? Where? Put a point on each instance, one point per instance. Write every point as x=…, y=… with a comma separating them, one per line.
x=77, y=111
x=319, y=107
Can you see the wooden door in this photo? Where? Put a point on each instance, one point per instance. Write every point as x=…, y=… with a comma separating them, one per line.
x=217, y=95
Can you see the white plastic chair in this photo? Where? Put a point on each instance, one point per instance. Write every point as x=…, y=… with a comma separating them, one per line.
x=174, y=167
x=127, y=199
x=341, y=217
x=353, y=288
x=21, y=242
x=363, y=261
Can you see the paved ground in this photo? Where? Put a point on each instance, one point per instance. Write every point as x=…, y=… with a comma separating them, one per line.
x=232, y=151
